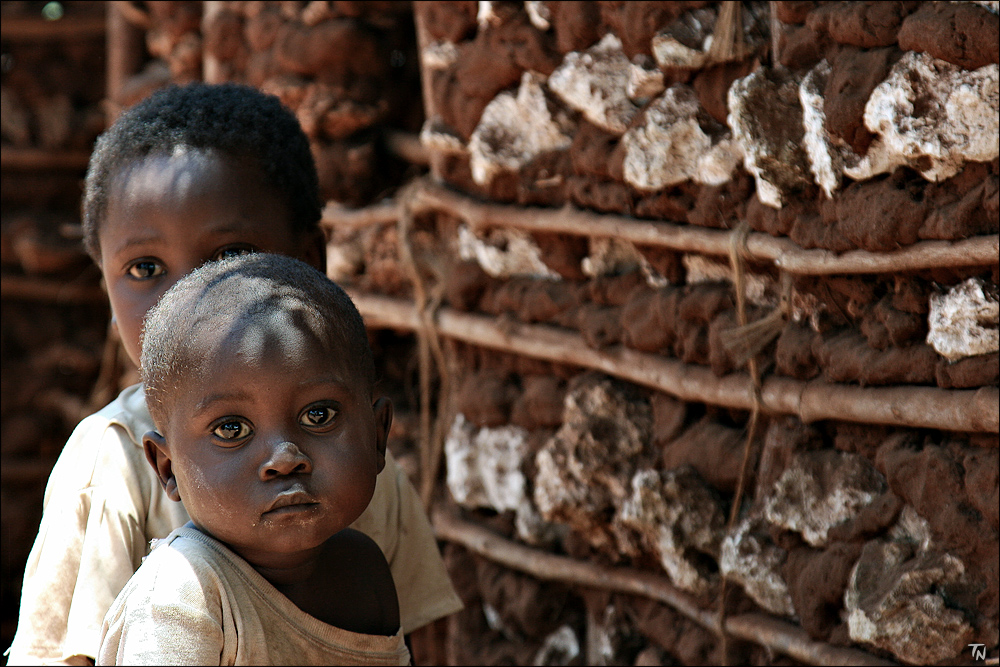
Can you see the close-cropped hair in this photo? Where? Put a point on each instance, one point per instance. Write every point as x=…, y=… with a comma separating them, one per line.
x=240, y=293
x=236, y=120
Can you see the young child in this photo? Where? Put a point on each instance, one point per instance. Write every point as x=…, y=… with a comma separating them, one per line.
x=260, y=382
x=188, y=175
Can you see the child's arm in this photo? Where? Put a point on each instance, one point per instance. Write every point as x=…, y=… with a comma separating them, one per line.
x=165, y=615
x=396, y=520
x=92, y=537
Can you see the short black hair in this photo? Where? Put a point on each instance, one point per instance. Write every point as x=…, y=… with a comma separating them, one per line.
x=239, y=292
x=235, y=119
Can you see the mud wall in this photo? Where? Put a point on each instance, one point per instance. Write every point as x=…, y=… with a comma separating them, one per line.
x=692, y=282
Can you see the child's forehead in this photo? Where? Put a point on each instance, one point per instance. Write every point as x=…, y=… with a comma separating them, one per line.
x=196, y=196
x=180, y=166
x=279, y=328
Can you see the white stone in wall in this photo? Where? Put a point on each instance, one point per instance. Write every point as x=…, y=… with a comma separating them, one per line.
x=929, y=111
x=716, y=166
x=913, y=528
x=962, y=322
x=484, y=465
x=439, y=138
x=504, y=253
x=679, y=515
x=539, y=14
x=751, y=559
x=819, y=490
x=484, y=470
x=595, y=82
x=561, y=647
x=584, y=471
x=439, y=55
x=514, y=129
x=694, y=27
x=485, y=14
x=664, y=148
x=828, y=155
x=643, y=84
x=670, y=53
x=771, y=145
x=611, y=256
x=893, y=601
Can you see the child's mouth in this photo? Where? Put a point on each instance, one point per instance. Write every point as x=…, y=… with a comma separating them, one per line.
x=294, y=499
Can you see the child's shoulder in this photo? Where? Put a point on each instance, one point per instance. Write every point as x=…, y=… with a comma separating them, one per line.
x=127, y=413
x=177, y=569
x=351, y=551
x=350, y=539
x=104, y=445
x=355, y=590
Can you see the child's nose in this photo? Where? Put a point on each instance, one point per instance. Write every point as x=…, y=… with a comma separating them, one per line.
x=285, y=459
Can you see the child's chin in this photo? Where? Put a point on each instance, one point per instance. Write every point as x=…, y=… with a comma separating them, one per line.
x=292, y=539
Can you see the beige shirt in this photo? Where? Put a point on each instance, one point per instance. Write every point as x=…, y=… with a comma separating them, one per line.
x=195, y=602
x=103, y=504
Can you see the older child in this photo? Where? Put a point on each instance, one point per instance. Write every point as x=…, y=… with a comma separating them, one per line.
x=260, y=381
x=189, y=175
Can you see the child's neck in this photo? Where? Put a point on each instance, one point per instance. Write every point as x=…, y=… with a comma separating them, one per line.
x=295, y=572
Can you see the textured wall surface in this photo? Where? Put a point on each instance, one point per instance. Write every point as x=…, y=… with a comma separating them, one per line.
x=844, y=127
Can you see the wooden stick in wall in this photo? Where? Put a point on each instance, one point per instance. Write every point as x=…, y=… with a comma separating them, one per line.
x=35, y=28
x=28, y=288
x=420, y=10
x=758, y=628
x=124, y=48
x=211, y=69
x=406, y=145
x=976, y=251
x=39, y=159
x=969, y=410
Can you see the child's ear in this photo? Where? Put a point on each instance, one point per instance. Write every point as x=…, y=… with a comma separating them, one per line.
x=155, y=446
x=382, y=407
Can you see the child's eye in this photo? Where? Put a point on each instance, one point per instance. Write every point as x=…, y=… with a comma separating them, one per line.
x=234, y=251
x=317, y=416
x=145, y=268
x=232, y=429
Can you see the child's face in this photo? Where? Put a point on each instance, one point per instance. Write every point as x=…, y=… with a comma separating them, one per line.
x=169, y=214
x=271, y=444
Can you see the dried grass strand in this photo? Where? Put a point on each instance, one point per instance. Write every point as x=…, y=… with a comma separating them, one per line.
x=728, y=42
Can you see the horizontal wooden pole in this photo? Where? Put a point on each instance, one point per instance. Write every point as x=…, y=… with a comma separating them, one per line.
x=976, y=251
x=407, y=145
x=972, y=410
x=336, y=215
x=39, y=159
x=758, y=628
x=26, y=288
x=35, y=28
